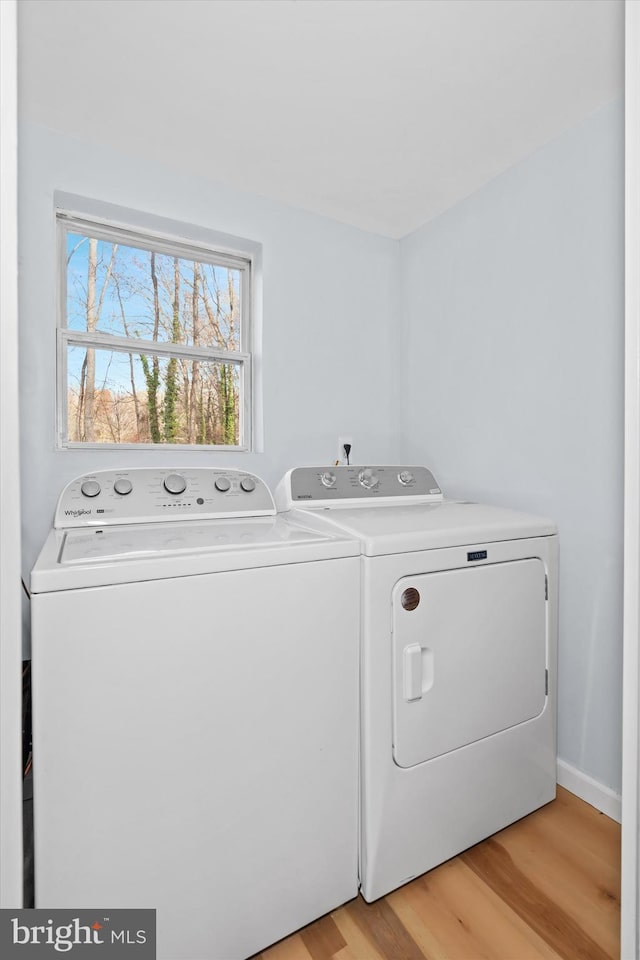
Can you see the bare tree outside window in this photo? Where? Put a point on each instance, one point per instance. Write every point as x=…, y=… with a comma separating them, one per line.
x=154, y=339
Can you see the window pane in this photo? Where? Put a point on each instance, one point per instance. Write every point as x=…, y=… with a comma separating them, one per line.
x=132, y=292
x=117, y=397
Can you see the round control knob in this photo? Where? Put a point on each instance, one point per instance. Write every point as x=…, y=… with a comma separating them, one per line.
x=248, y=484
x=328, y=479
x=368, y=478
x=175, y=484
x=90, y=488
x=405, y=477
x=222, y=484
x=123, y=486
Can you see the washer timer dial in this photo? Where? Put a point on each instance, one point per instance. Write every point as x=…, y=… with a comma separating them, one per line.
x=90, y=488
x=175, y=484
x=406, y=477
x=368, y=479
x=328, y=479
x=123, y=486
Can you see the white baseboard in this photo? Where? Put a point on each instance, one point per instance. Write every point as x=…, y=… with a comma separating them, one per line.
x=602, y=798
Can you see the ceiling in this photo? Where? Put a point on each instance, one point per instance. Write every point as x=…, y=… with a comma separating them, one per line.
x=377, y=113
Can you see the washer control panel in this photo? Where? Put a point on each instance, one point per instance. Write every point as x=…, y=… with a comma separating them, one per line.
x=323, y=485
x=143, y=495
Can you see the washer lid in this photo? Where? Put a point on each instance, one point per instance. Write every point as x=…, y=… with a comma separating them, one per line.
x=77, y=558
x=403, y=528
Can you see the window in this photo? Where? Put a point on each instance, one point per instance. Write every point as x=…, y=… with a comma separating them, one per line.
x=153, y=340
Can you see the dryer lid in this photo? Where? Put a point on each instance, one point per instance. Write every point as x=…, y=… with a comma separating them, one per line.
x=403, y=528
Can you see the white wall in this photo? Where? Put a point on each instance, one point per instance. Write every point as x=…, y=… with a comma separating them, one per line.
x=10, y=661
x=330, y=315
x=513, y=321
x=630, y=841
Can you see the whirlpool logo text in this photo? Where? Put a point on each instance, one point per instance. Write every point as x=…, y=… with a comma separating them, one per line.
x=31, y=933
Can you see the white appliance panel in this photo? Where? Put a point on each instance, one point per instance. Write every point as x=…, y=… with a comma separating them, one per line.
x=196, y=751
x=124, y=542
x=469, y=654
x=338, y=485
x=402, y=528
x=129, y=553
x=413, y=819
x=145, y=494
x=457, y=732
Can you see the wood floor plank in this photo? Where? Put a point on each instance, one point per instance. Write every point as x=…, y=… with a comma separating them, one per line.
x=578, y=873
x=292, y=948
x=323, y=939
x=454, y=915
x=591, y=830
x=361, y=947
x=596, y=830
x=589, y=890
x=583, y=832
x=496, y=867
x=381, y=925
x=345, y=954
x=589, y=903
x=407, y=904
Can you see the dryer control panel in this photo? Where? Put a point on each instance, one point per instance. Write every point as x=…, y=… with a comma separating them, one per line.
x=144, y=495
x=321, y=486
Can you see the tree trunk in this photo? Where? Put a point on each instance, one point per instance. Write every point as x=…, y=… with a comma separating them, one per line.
x=228, y=406
x=93, y=317
x=152, y=375
x=213, y=316
x=171, y=385
x=233, y=309
x=140, y=427
x=195, y=376
x=81, y=395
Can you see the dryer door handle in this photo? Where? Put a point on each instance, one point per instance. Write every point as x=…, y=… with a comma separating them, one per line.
x=412, y=672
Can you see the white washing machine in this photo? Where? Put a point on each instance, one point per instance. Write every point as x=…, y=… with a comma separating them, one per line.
x=195, y=709
x=458, y=662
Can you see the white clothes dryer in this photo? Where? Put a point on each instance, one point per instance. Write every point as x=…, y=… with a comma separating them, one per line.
x=195, y=709
x=458, y=661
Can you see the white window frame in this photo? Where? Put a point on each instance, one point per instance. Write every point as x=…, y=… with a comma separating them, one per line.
x=116, y=232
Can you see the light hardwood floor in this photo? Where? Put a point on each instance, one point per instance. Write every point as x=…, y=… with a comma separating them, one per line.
x=545, y=887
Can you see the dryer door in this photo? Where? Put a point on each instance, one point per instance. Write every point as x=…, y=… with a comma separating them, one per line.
x=469, y=656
